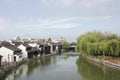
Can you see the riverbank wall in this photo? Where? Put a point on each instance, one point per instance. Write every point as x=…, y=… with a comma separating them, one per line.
x=101, y=61
x=8, y=67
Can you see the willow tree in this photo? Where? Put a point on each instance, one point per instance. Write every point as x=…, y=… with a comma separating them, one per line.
x=97, y=43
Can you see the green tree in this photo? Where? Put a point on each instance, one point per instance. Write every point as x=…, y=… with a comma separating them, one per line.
x=65, y=45
x=97, y=43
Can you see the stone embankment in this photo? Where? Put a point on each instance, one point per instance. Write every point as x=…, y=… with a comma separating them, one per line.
x=8, y=67
x=111, y=64
x=102, y=61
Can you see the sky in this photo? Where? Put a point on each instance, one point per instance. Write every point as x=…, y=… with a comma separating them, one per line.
x=57, y=18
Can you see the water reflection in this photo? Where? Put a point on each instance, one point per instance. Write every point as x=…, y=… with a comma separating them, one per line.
x=27, y=69
x=90, y=71
x=62, y=67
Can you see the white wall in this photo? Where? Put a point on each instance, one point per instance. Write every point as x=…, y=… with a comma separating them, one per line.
x=56, y=48
x=18, y=58
x=23, y=48
x=51, y=48
x=6, y=53
x=33, y=45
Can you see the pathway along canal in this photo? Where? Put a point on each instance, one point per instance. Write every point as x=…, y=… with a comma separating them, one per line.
x=62, y=67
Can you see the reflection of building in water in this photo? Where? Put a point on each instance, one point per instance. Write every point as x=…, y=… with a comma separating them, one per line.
x=11, y=76
x=24, y=70
x=53, y=60
x=21, y=71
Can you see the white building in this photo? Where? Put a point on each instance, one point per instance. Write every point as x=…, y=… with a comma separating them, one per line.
x=34, y=45
x=10, y=53
x=26, y=50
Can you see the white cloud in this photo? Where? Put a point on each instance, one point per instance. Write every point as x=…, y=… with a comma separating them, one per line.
x=46, y=2
x=4, y=23
x=90, y=4
x=64, y=20
x=63, y=2
x=54, y=23
x=64, y=26
x=67, y=2
x=83, y=3
x=7, y=1
x=68, y=22
x=94, y=18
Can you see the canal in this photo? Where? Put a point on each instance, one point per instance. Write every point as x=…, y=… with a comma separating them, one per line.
x=62, y=67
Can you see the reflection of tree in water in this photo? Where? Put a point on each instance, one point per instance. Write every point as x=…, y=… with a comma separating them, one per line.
x=90, y=71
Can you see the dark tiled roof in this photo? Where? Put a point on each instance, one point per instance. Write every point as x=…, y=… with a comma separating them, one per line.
x=5, y=43
x=47, y=45
x=17, y=43
x=26, y=45
x=9, y=46
x=35, y=49
x=73, y=43
x=1, y=56
x=39, y=44
x=18, y=53
x=13, y=48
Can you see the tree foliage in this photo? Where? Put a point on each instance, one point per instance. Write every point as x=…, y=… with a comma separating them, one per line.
x=97, y=43
x=65, y=45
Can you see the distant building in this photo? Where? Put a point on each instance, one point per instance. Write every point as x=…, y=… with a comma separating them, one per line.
x=47, y=49
x=32, y=40
x=35, y=48
x=29, y=50
x=38, y=40
x=26, y=50
x=25, y=40
x=61, y=39
x=55, y=41
x=17, y=39
x=33, y=45
x=73, y=46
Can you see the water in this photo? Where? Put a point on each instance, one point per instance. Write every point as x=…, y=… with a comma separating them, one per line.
x=62, y=67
